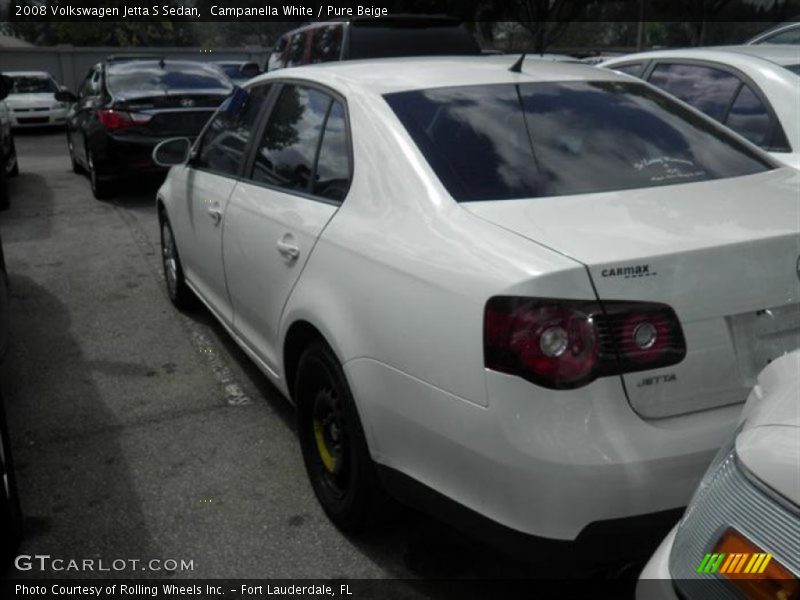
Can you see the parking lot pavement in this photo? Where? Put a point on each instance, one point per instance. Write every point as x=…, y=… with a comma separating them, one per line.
x=143, y=433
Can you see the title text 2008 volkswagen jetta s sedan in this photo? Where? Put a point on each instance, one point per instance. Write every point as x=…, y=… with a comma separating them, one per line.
x=540, y=296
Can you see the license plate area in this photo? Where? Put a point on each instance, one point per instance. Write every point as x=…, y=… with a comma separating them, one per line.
x=762, y=336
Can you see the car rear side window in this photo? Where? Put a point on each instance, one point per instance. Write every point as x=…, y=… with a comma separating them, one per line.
x=708, y=89
x=332, y=174
x=285, y=157
x=551, y=139
x=749, y=117
x=223, y=146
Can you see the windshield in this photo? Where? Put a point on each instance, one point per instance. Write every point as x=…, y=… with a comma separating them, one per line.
x=32, y=84
x=551, y=139
x=146, y=76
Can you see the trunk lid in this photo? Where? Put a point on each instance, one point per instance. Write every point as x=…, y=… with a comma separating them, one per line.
x=174, y=113
x=723, y=254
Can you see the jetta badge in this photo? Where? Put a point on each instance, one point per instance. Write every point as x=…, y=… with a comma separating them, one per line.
x=187, y=102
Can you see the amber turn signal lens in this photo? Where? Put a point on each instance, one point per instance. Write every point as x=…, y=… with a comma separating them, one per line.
x=755, y=573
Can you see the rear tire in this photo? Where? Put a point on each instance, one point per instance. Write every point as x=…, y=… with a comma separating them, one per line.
x=334, y=447
x=179, y=293
x=76, y=167
x=103, y=189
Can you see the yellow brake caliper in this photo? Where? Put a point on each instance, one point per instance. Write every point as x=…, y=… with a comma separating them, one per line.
x=322, y=448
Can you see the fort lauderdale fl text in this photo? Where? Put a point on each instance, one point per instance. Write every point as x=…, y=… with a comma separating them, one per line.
x=165, y=10
x=169, y=589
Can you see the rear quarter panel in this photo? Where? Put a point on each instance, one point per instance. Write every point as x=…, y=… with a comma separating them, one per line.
x=402, y=273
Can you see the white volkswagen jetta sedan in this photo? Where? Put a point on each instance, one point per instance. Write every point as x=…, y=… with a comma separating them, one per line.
x=740, y=536
x=535, y=298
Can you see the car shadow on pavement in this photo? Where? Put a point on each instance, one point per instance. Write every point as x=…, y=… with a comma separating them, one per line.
x=77, y=493
x=31, y=196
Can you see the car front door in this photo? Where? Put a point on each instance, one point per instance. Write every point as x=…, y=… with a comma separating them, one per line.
x=209, y=179
x=299, y=176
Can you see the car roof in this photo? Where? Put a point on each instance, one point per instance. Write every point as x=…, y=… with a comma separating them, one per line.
x=780, y=55
x=402, y=74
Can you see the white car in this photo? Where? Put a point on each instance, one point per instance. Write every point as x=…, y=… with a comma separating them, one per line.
x=754, y=90
x=532, y=296
x=32, y=100
x=748, y=504
x=785, y=33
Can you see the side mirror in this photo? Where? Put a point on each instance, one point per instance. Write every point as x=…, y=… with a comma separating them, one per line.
x=172, y=152
x=66, y=96
x=5, y=86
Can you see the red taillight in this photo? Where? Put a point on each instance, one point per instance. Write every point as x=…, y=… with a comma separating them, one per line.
x=119, y=119
x=563, y=344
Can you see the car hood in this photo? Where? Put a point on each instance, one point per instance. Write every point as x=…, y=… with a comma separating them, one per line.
x=769, y=442
x=22, y=100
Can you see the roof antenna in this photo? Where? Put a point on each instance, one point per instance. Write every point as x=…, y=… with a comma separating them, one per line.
x=517, y=66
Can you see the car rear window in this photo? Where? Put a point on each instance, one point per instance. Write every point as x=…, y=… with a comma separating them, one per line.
x=493, y=142
x=146, y=76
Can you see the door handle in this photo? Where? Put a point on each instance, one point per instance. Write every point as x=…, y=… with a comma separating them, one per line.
x=288, y=251
x=215, y=214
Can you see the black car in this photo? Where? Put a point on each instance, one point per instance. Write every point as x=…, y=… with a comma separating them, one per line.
x=126, y=106
x=367, y=37
x=8, y=153
x=10, y=515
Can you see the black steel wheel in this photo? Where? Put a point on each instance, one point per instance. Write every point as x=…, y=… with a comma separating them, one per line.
x=76, y=167
x=334, y=447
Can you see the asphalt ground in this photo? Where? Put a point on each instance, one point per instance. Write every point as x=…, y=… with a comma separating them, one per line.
x=140, y=432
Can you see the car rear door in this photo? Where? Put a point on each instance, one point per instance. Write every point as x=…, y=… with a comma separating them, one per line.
x=209, y=179
x=299, y=175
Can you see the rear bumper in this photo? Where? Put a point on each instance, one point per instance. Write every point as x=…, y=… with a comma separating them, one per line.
x=545, y=464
